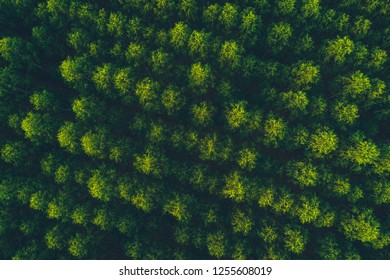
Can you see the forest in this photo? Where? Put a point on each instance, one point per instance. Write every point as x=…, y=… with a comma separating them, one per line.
x=195, y=129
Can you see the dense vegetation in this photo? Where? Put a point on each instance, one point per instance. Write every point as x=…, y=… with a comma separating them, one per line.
x=194, y=129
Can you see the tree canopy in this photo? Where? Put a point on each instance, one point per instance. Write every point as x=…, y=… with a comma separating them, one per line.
x=188, y=129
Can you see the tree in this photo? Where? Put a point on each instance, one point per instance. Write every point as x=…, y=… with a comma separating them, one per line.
x=135, y=53
x=123, y=82
x=250, y=25
x=78, y=246
x=39, y=128
x=208, y=147
x=337, y=49
x=73, y=71
x=210, y=14
x=295, y=101
x=329, y=248
x=116, y=24
x=230, y=55
x=216, y=243
x=203, y=113
x=267, y=196
x=361, y=27
x=178, y=208
x=345, y=113
x=323, y=142
x=310, y=8
x=362, y=153
x=161, y=61
x=360, y=225
x=228, y=16
x=381, y=192
x=305, y=74
x=303, y=174
x=150, y=163
x=340, y=186
x=43, y=101
x=101, y=184
x=200, y=77
x=180, y=35
x=295, y=240
x=236, y=115
x=172, y=100
x=247, y=159
x=274, y=130
x=94, y=143
x=198, y=43
x=378, y=58
x=88, y=108
x=103, y=78
x=283, y=202
x=68, y=137
x=14, y=153
x=356, y=85
x=279, y=35
x=189, y=8
x=308, y=209
x=285, y=7
x=55, y=239
x=241, y=223
x=234, y=188
x=147, y=92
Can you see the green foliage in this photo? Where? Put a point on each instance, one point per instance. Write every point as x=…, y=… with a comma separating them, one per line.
x=303, y=174
x=362, y=153
x=295, y=101
x=345, y=113
x=13, y=153
x=274, y=130
x=360, y=225
x=294, y=240
x=203, y=113
x=87, y=108
x=94, y=143
x=77, y=246
x=308, y=209
x=101, y=185
x=323, y=142
x=194, y=129
x=279, y=35
x=236, y=115
x=337, y=49
x=150, y=163
x=178, y=209
x=200, y=77
x=356, y=85
x=198, y=43
x=147, y=92
x=216, y=244
x=228, y=16
x=43, y=101
x=68, y=137
x=241, y=223
x=38, y=127
x=247, y=159
x=229, y=55
x=103, y=78
x=234, y=187
x=179, y=35
x=305, y=74
x=285, y=7
x=172, y=100
x=310, y=8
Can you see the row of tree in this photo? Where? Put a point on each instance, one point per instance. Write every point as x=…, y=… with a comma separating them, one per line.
x=188, y=129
